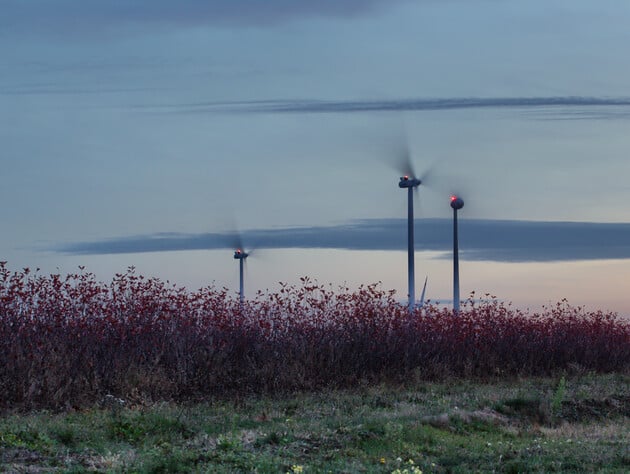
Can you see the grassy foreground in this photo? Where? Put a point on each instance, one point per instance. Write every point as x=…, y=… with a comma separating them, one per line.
x=578, y=423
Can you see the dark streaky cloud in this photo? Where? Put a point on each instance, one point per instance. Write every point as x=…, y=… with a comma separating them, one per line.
x=483, y=240
x=555, y=107
x=82, y=15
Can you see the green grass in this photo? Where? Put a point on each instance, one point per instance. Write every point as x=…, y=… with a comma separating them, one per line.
x=568, y=424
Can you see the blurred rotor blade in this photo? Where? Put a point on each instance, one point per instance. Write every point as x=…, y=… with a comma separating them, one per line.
x=402, y=160
x=455, y=186
x=234, y=240
x=417, y=202
x=428, y=175
x=237, y=240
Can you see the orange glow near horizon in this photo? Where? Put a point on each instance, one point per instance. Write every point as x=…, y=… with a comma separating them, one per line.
x=593, y=284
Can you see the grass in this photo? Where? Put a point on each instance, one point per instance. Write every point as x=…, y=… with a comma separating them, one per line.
x=561, y=424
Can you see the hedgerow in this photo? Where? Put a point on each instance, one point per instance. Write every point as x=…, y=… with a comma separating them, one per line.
x=70, y=341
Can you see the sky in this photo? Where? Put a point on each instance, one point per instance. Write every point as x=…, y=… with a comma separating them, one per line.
x=149, y=133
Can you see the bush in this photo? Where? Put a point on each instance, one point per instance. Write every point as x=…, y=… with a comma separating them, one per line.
x=71, y=341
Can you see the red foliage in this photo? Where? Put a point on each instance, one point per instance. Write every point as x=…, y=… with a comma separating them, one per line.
x=69, y=341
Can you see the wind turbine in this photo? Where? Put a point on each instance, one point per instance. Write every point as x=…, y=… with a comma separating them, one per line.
x=409, y=181
x=235, y=240
x=456, y=203
x=241, y=255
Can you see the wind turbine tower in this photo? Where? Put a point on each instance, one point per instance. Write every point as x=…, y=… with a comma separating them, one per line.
x=456, y=203
x=410, y=183
x=241, y=256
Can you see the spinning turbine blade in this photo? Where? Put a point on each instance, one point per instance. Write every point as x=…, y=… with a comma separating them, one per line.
x=428, y=174
x=424, y=290
x=404, y=164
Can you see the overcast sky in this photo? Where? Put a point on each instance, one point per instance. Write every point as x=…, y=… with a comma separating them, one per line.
x=135, y=133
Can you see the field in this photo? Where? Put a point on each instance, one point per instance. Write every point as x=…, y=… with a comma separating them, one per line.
x=138, y=375
x=572, y=424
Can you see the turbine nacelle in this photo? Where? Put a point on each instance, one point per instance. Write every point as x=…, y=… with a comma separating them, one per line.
x=409, y=182
x=240, y=255
x=457, y=202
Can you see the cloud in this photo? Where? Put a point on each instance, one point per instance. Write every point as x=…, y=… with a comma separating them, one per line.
x=83, y=15
x=560, y=107
x=62, y=89
x=482, y=240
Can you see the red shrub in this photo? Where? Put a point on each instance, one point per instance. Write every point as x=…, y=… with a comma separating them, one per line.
x=69, y=341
